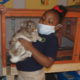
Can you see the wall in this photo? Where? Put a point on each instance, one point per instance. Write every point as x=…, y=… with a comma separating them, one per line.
x=62, y=2
x=36, y=4
x=73, y=2
x=19, y=3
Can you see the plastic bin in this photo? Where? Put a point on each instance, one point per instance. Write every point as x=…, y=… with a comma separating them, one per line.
x=68, y=76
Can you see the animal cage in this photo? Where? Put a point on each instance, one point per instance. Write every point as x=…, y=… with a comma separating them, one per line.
x=69, y=37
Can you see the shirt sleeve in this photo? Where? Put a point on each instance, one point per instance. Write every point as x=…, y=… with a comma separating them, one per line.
x=51, y=47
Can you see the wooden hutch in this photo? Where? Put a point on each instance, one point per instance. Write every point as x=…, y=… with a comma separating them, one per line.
x=68, y=58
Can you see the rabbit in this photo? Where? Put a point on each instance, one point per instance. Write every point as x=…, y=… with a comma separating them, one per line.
x=29, y=32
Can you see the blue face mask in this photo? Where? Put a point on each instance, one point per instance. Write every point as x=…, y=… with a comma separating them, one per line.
x=45, y=29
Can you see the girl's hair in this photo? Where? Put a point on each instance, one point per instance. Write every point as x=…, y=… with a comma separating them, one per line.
x=60, y=10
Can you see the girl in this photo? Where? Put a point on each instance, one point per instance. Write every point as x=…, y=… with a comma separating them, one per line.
x=43, y=52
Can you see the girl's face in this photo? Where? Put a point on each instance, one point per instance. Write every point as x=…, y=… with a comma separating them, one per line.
x=50, y=18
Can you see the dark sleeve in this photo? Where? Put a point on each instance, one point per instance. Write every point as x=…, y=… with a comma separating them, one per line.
x=51, y=47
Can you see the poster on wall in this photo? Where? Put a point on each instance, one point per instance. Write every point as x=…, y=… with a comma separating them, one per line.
x=9, y=4
x=40, y=4
x=3, y=1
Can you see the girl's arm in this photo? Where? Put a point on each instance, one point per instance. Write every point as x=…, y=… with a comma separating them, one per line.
x=39, y=57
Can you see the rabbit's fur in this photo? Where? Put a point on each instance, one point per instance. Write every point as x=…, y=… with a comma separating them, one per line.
x=28, y=32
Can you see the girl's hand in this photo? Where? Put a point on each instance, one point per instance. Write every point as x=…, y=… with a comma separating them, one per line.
x=58, y=27
x=27, y=45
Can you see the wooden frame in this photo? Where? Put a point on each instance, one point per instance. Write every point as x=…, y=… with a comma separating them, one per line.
x=38, y=13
